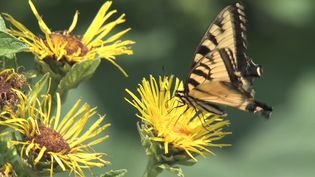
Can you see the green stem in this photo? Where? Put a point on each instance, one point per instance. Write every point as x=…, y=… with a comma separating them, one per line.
x=54, y=85
x=9, y=63
x=152, y=169
x=54, y=88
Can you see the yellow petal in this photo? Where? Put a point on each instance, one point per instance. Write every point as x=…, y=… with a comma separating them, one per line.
x=58, y=161
x=96, y=23
x=40, y=154
x=74, y=22
x=58, y=111
x=41, y=22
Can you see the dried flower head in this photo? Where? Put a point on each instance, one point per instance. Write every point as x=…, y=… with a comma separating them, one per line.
x=10, y=81
x=7, y=171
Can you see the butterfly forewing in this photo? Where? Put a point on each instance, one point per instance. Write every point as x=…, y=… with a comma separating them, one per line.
x=221, y=72
x=217, y=65
x=214, y=81
x=227, y=31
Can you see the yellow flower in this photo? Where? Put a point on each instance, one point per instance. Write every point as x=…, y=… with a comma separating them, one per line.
x=73, y=48
x=48, y=137
x=173, y=124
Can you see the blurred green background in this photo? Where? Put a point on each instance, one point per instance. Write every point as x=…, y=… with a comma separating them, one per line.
x=280, y=38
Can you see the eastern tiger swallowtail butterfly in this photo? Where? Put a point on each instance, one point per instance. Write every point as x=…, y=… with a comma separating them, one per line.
x=222, y=73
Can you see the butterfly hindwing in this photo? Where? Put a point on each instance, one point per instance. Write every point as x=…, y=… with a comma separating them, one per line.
x=217, y=81
x=220, y=92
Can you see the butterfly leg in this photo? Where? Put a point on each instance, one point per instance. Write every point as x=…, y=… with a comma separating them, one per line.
x=181, y=104
x=186, y=109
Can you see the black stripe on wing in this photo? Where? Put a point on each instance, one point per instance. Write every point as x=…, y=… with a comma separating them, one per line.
x=227, y=31
x=245, y=65
x=209, y=107
x=203, y=50
x=219, y=65
x=228, y=60
x=231, y=33
x=239, y=22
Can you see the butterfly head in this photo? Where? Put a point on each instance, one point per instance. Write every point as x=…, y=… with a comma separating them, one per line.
x=180, y=94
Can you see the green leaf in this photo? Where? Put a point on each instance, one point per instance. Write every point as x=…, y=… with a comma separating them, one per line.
x=186, y=162
x=31, y=73
x=173, y=169
x=9, y=44
x=39, y=86
x=78, y=72
x=2, y=25
x=46, y=68
x=7, y=154
x=115, y=173
x=8, y=61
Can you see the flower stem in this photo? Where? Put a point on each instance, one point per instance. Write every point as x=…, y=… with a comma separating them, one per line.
x=152, y=169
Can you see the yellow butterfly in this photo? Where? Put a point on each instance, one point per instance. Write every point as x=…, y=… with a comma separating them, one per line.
x=222, y=73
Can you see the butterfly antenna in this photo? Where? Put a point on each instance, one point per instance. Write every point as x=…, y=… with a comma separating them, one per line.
x=163, y=70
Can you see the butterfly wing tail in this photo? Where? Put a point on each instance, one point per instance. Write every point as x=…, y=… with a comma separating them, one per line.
x=260, y=108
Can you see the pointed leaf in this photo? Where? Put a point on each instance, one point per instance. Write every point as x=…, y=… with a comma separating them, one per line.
x=173, y=169
x=2, y=25
x=46, y=68
x=78, y=72
x=7, y=154
x=39, y=86
x=9, y=44
x=115, y=173
x=186, y=162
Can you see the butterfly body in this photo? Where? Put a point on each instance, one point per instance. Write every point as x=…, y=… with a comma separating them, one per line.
x=222, y=73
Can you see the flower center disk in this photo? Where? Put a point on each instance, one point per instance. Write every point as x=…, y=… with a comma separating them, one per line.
x=182, y=130
x=70, y=43
x=52, y=140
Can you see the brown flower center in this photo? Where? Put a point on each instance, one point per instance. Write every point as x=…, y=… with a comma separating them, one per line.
x=52, y=140
x=72, y=43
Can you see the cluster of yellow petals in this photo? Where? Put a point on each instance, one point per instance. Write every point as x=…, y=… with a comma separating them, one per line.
x=33, y=113
x=174, y=124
